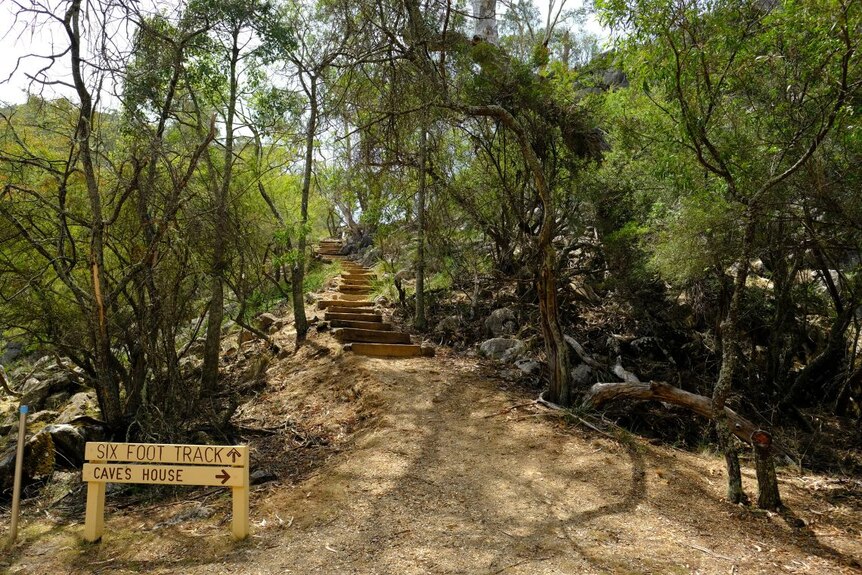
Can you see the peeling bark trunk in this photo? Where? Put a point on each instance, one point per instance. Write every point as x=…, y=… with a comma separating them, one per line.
x=485, y=15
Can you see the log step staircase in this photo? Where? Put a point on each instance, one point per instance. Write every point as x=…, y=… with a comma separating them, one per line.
x=355, y=321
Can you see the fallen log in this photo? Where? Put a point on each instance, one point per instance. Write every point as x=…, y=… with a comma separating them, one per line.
x=601, y=393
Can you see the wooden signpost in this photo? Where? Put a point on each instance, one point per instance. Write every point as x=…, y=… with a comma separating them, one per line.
x=165, y=464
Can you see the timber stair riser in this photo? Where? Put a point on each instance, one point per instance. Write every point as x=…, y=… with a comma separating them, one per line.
x=354, y=311
x=325, y=303
x=370, y=336
x=355, y=290
x=353, y=317
x=356, y=285
x=389, y=350
x=352, y=297
x=338, y=323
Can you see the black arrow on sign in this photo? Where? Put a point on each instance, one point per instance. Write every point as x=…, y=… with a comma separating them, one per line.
x=233, y=454
x=223, y=476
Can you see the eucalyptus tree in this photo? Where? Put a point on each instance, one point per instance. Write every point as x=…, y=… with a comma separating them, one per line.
x=316, y=49
x=78, y=191
x=753, y=90
x=242, y=32
x=491, y=85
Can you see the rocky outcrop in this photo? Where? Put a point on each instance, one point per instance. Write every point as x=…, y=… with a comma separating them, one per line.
x=503, y=349
x=501, y=322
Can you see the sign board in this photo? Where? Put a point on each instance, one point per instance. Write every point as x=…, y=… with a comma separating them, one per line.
x=167, y=453
x=164, y=464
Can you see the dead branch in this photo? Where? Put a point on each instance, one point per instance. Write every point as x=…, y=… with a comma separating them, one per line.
x=601, y=393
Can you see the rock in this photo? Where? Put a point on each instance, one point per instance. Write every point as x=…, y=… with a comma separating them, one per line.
x=38, y=461
x=511, y=374
x=311, y=298
x=503, y=349
x=262, y=476
x=582, y=376
x=501, y=322
x=613, y=78
x=79, y=405
x=197, y=346
x=427, y=350
x=56, y=400
x=323, y=326
x=35, y=392
x=448, y=325
x=265, y=321
x=227, y=327
x=9, y=424
x=370, y=257
x=757, y=266
x=244, y=336
x=69, y=443
x=44, y=416
x=381, y=300
x=529, y=367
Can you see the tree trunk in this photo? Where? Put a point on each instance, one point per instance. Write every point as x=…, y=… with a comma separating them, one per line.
x=212, y=346
x=419, y=321
x=556, y=350
x=107, y=388
x=730, y=342
x=485, y=15
x=767, y=483
x=298, y=275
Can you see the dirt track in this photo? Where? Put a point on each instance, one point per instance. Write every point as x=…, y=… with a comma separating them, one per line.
x=446, y=479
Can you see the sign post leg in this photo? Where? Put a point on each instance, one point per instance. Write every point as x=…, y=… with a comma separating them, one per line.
x=94, y=524
x=239, y=519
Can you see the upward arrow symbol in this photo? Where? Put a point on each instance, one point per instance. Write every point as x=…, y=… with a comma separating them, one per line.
x=233, y=454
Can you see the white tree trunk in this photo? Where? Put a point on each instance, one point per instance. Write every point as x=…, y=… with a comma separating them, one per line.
x=485, y=14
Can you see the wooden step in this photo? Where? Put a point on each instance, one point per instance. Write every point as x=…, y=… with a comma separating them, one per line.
x=354, y=310
x=355, y=283
x=389, y=350
x=370, y=336
x=355, y=289
x=358, y=272
x=325, y=303
x=351, y=297
x=329, y=316
x=382, y=326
